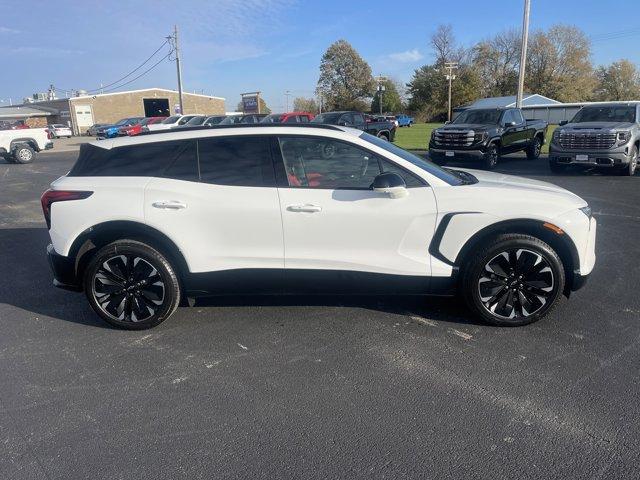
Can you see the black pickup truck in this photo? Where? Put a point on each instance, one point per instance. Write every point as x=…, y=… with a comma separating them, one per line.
x=386, y=130
x=486, y=133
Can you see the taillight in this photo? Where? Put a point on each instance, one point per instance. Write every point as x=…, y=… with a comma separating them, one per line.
x=51, y=196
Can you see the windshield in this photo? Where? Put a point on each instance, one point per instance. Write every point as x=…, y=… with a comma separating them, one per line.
x=438, y=172
x=327, y=118
x=214, y=120
x=273, y=118
x=196, y=121
x=624, y=113
x=170, y=120
x=482, y=117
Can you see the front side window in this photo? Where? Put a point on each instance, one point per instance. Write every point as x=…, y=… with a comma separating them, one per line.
x=240, y=161
x=324, y=163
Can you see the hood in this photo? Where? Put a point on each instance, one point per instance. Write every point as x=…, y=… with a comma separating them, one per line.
x=524, y=190
x=466, y=126
x=606, y=126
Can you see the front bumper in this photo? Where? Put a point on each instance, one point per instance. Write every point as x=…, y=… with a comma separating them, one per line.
x=442, y=154
x=64, y=271
x=616, y=157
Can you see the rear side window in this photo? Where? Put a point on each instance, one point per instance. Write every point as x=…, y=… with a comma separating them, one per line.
x=158, y=159
x=240, y=161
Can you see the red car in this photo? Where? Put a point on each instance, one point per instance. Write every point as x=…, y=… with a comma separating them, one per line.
x=291, y=117
x=132, y=130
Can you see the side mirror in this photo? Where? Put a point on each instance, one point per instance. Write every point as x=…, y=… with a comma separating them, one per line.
x=563, y=122
x=390, y=183
x=343, y=123
x=510, y=124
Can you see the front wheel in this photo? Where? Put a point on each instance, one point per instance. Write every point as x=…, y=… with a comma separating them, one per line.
x=629, y=170
x=513, y=280
x=132, y=286
x=490, y=160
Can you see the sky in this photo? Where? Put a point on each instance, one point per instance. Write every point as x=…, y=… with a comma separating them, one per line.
x=274, y=46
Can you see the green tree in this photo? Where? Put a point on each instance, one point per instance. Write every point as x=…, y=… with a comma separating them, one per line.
x=618, y=81
x=301, y=104
x=345, y=80
x=391, y=101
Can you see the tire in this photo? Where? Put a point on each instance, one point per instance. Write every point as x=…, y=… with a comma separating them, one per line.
x=23, y=154
x=383, y=136
x=513, y=280
x=533, y=151
x=490, y=160
x=113, y=284
x=629, y=170
x=555, y=167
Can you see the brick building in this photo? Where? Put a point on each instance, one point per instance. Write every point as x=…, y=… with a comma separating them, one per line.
x=83, y=111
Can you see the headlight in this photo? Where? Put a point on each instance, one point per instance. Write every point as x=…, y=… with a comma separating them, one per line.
x=480, y=137
x=623, y=137
x=586, y=210
x=556, y=134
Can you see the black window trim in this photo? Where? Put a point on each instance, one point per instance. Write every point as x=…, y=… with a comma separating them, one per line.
x=281, y=174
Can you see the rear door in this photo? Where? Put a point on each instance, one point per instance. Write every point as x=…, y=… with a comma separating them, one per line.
x=221, y=206
x=335, y=226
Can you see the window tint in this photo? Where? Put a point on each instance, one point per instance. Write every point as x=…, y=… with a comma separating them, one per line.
x=517, y=115
x=328, y=164
x=237, y=161
x=358, y=119
x=291, y=119
x=185, y=164
x=141, y=160
x=409, y=178
x=303, y=119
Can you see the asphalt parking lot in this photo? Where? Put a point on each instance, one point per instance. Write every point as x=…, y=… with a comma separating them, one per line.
x=319, y=387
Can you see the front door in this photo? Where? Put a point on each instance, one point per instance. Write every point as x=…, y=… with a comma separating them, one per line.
x=335, y=227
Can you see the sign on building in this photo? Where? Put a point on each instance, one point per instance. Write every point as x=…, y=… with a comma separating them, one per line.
x=251, y=102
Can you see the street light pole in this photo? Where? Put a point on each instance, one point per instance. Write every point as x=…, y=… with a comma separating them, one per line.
x=178, y=67
x=286, y=96
x=523, y=53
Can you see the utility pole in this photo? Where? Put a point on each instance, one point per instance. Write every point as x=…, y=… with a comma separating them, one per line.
x=523, y=52
x=287, y=94
x=381, y=90
x=178, y=67
x=450, y=67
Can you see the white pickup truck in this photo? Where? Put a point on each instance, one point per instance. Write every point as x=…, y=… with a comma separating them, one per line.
x=20, y=146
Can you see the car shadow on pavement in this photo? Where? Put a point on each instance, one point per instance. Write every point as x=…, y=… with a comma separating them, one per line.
x=28, y=286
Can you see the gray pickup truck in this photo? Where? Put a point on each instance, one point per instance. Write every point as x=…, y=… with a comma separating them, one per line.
x=602, y=136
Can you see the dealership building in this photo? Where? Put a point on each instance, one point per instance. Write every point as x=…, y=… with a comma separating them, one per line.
x=85, y=110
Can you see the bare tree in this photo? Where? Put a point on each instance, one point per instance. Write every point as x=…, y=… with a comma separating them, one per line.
x=496, y=61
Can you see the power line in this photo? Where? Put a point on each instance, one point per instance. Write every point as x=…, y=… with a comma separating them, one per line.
x=142, y=74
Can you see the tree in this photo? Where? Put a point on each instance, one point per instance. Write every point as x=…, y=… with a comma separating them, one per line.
x=391, y=101
x=559, y=64
x=618, y=81
x=496, y=61
x=345, y=78
x=444, y=46
x=263, y=107
x=301, y=104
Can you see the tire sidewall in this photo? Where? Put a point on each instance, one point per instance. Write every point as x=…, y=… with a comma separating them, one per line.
x=16, y=154
x=155, y=258
x=487, y=161
x=506, y=242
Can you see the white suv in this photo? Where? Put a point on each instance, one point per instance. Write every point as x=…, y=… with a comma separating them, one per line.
x=143, y=223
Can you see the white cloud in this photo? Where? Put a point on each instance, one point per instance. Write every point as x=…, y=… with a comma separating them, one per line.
x=407, y=56
x=8, y=30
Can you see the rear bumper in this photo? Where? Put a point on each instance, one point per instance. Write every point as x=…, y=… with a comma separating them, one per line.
x=64, y=271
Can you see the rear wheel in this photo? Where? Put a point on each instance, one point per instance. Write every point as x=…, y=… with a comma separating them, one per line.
x=513, y=280
x=23, y=154
x=131, y=285
x=533, y=151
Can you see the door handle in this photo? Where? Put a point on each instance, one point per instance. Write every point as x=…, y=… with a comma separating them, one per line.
x=169, y=204
x=304, y=208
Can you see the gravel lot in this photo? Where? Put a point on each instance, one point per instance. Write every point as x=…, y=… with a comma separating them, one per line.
x=319, y=387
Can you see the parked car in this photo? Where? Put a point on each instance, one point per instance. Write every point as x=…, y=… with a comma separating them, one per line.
x=13, y=125
x=603, y=136
x=484, y=134
x=404, y=120
x=291, y=117
x=244, y=119
x=382, y=129
x=141, y=224
x=21, y=145
x=111, y=131
x=137, y=128
x=214, y=120
x=195, y=121
x=92, y=131
x=58, y=130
